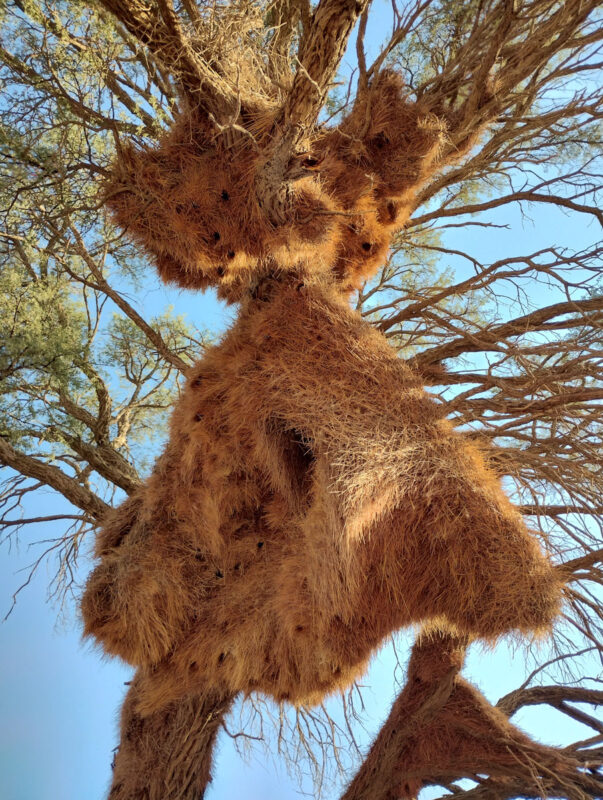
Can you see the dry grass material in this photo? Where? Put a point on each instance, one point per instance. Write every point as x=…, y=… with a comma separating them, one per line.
x=192, y=204
x=441, y=728
x=372, y=166
x=166, y=755
x=385, y=148
x=310, y=501
x=193, y=200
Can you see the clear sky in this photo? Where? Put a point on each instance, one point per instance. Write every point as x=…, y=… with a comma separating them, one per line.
x=59, y=700
x=59, y=708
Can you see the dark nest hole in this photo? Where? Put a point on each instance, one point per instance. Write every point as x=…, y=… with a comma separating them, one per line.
x=300, y=460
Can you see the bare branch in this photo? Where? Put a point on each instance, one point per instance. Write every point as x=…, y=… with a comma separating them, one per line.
x=158, y=27
x=54, y=477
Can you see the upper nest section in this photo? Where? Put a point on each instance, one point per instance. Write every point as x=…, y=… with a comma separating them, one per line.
x=193, y=202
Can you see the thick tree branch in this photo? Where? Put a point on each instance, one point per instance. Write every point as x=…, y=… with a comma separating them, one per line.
x=320, y=55
x=494, y=336
x=167, y=755
x=554, y=696
x=156, y=25
x=441, y=729
x=517, y=197
x=53, y=477
x=110, y=464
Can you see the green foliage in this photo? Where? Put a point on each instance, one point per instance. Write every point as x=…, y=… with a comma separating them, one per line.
x=41, y=328
x=74, y=367
x=42, y=337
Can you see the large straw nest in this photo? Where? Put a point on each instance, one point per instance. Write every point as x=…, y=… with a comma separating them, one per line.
x=192, y=201
x=310, y=501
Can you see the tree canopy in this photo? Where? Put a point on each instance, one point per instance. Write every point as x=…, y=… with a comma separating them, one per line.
x=511, y=344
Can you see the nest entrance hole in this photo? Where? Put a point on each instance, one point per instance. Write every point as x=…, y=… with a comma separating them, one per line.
x=300, y=460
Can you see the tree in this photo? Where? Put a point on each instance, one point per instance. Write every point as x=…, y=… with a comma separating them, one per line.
x=511, y=347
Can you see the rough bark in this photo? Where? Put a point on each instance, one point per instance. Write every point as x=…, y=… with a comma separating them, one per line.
x=167, y=755
x=54, y=477
x=441, y=729
x=159, y=28
x=321, y=52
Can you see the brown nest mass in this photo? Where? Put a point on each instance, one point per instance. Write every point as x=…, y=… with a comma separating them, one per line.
x=310, y=501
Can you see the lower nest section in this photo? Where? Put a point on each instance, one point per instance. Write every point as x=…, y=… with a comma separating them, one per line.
x=310, y=502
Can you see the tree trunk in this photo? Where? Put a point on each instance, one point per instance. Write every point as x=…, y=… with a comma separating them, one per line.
x=441, y=728
x=167, y=755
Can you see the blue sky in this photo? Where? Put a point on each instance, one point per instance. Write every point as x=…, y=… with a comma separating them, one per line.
x=59, y=700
